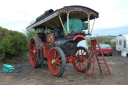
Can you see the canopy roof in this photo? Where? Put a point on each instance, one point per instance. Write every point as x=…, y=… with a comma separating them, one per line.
x=52, y=20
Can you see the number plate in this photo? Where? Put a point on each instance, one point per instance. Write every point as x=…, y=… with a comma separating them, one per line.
x=105, y=52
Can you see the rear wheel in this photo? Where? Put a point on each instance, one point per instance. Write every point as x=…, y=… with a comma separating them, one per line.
x=56, y=61
x=33, y=50
x=80, y=64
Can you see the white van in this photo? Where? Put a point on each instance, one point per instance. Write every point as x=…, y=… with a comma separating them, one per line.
x=122, y=43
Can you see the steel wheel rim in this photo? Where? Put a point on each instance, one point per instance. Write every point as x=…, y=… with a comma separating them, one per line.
x=54, y=62
x=33, y=53
x=81, y=59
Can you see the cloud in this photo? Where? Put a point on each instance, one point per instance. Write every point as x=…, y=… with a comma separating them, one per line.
x=17, y=14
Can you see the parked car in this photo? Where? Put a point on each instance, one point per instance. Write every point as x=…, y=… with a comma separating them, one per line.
x=106, y=49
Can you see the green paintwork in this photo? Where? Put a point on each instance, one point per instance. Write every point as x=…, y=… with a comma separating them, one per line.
x=75, y=25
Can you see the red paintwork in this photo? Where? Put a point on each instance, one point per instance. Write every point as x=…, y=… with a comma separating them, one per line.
x=78, y=38
x=46, y=50
x=50, y=37
x=42, y=44
x=71, y=36
x=70, y=59
x=104, y=50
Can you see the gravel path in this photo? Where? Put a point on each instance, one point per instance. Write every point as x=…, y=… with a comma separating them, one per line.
x=42, y=76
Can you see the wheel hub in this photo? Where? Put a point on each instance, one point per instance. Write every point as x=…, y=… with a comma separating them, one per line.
x=81, y=59
x=53, y=61
x=34, y=51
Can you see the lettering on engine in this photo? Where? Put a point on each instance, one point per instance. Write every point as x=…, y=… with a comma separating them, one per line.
x=77, y=8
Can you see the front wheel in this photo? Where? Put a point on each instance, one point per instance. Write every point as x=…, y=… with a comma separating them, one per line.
x=81, y=55
x=56, y=61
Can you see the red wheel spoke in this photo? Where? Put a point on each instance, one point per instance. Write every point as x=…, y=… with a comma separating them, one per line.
x=53, y=67
x=57, y=70
x=58, y=58
x=55, y=55
x=58, y=55
x=85, y=59
x=83, y=53
x=33, y=59
x=59, y=63
x=76, y=62
x=32, y=45
x=83, y=64
x=59, y=66
x=78, y=54
x=79, y=64
x=52, y=55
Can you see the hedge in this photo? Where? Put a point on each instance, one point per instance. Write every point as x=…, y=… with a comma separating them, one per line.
x=12, y=43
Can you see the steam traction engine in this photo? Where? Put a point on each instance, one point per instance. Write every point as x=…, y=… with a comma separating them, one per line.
x=58, y=33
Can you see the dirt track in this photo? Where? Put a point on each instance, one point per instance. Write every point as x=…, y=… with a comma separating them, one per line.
x=42, y=76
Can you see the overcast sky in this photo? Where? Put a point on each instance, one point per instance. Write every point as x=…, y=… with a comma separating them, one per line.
x=18, y=14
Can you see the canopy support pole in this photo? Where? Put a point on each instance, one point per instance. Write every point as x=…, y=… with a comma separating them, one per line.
x=88, y=24
x=68, y=23
x=46, y=30
x=93, y=25
x=62, y=24
x=35, y=32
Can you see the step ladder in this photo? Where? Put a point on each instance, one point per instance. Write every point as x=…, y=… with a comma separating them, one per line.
x=93, y=45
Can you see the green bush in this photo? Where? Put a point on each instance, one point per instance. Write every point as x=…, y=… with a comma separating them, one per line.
x=12, y=43
x=30, y=34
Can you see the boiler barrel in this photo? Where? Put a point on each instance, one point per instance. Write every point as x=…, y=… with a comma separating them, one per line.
x=44, y=14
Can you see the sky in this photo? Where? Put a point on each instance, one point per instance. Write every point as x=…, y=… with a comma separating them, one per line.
x=113, y=14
